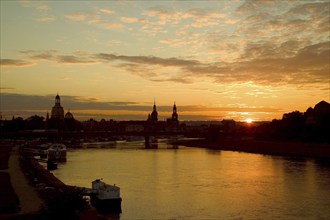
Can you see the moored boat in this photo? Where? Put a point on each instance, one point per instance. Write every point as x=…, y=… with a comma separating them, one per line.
x=106, y=198
x=57, y=152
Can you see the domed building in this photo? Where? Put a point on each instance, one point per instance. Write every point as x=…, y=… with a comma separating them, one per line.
x=57, y=111
x=71, y=123
x=154, y=113
x=60, y=121
x=68, y=115
x=153, y=117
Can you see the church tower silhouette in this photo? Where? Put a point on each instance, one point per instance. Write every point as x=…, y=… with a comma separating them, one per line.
x=154, y=113
x=57, y=111
x=174, y=114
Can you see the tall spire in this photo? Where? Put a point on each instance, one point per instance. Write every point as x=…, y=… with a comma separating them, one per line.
x=154, y=114
x=57, y=99
x=154, y=105
x=174, y=114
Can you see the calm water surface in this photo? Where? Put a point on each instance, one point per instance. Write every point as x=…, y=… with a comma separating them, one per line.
x=193, y=183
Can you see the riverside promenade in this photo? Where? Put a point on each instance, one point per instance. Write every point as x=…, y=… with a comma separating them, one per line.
x=18, y=197
x=27, y=194
x=49, y=199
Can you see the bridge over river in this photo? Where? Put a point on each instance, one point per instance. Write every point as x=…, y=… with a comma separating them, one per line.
x=148, y=135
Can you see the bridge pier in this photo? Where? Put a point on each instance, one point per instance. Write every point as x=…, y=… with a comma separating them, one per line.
x=146, y=141
x=149, y=144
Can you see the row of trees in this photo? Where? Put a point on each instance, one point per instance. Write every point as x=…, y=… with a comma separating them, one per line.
x=38, y=123
x=70, y=124
x=310, y=126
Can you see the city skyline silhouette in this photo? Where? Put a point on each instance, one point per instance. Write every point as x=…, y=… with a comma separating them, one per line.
x=218, y=60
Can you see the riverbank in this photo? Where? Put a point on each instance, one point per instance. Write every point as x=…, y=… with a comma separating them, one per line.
x=29, y=191
x=9, y=202
x=30, y=201
x=295, y=149
x=18, y=199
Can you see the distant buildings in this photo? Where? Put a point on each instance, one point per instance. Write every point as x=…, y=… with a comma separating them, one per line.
x=310, y=126
x=57, y=111
x=153, y=117
x=174, y=115
x=173, y=122
x=68, y=115
x=151, y=124
x=60, y=121
x=170, y=124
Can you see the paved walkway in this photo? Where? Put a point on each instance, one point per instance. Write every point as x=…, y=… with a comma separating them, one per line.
x=28, y=197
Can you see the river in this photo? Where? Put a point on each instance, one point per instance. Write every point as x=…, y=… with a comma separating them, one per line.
x=196, y=183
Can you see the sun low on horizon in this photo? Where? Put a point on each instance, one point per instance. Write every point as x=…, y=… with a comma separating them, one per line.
x=243, y=60
x=249, y=120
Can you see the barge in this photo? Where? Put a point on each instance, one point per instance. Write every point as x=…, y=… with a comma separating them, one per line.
x=57, y=152
x=106, y=198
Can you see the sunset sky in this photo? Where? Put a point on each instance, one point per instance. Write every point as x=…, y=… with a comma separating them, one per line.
x=215, y=59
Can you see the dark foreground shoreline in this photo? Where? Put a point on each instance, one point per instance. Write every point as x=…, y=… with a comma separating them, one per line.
x=9, y=202
x=294, y=149
x=59, y=201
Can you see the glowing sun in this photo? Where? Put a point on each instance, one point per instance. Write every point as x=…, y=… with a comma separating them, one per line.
x=249, y=120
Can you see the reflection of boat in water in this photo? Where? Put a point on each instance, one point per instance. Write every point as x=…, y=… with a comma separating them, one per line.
x=57, y=152
x=106, y=198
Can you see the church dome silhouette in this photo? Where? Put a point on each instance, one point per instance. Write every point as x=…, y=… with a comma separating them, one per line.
x=68, y=115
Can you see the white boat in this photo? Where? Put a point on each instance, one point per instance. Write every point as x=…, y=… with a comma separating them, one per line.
x=57, y=152
x=106, y=198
